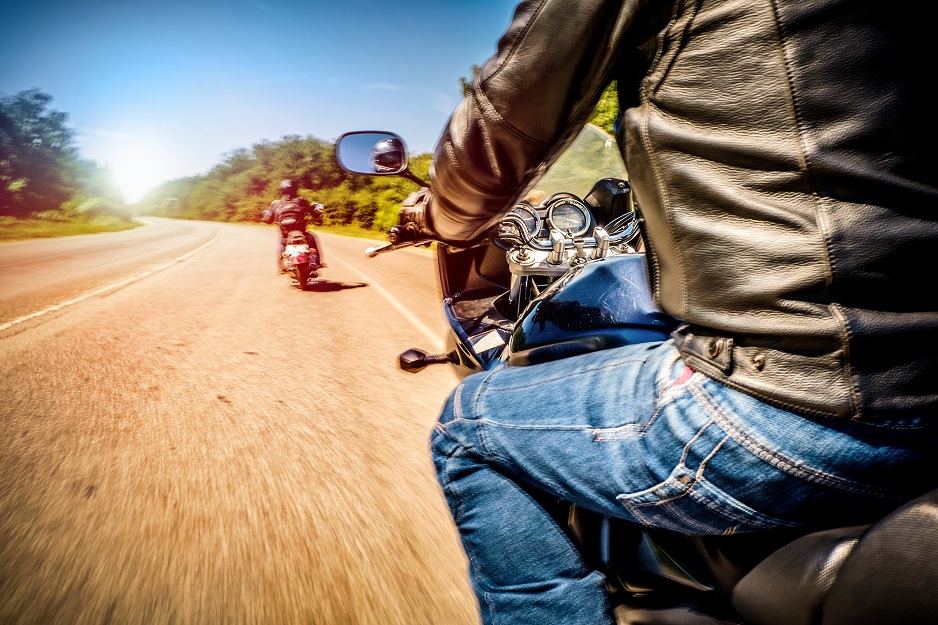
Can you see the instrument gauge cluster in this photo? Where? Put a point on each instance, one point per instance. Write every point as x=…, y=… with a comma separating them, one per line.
x=530, y=217
x=569, y=215
x=563, y=211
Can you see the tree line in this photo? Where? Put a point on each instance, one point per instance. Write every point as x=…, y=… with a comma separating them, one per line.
x=41, y=170
x=247, y=180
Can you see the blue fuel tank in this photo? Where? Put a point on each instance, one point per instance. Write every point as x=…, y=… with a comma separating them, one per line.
x=601, y=304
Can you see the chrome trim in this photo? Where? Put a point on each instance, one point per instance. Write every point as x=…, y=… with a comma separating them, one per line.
x=578, y=205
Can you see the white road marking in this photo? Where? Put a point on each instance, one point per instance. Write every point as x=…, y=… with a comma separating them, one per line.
x=434, y=337
x=110, y=287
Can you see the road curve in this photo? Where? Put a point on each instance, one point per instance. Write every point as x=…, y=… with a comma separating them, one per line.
x=43, y=272
x=194, y=440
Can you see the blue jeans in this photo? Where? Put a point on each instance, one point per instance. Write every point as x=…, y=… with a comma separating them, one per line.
x=633, y=433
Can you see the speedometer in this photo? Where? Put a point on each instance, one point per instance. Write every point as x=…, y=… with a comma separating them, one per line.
x=568, y=215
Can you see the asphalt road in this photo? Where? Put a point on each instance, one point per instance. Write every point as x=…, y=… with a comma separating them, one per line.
x=186, y=438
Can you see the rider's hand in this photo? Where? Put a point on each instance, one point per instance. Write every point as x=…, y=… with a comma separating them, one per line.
x=412, y=219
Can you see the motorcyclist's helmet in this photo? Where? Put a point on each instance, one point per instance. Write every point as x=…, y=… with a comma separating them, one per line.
x=387, y=156
x=288, y=187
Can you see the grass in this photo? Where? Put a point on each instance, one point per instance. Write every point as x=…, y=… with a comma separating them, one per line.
x=352, y=231
x=16, y=229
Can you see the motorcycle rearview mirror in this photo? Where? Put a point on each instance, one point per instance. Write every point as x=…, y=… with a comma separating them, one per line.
x=414, y=360
x=374, y=153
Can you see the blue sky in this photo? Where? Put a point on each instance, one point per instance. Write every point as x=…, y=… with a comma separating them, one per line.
x=165, y=88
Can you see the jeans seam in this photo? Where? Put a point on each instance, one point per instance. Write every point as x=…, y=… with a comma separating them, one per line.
x=489, y=604
x=485, y=449
x=669, y=482
x=694, y=438
x=779, y=461
x=457, y=403
x=743, y=519
x=666, y=395
x=568, y=375
x=454, y=498
x=690, y=491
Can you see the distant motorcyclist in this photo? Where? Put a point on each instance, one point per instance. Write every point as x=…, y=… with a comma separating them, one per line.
x=292, y=212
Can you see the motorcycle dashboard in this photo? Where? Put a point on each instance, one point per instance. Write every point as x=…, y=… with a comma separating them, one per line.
x=562, y=211
x=533, y=221
x=568, y=214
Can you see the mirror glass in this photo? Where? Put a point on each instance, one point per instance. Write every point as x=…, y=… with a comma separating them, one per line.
x=382, y=153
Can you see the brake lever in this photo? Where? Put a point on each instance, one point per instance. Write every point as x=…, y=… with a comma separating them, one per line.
x=371, y=252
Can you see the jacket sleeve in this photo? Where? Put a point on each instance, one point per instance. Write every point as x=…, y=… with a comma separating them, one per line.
x=270, y=215
x=527, y=104
x=306, y=211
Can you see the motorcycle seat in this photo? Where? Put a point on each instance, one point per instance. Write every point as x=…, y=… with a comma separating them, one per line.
x=295, y=237
x=879, y=574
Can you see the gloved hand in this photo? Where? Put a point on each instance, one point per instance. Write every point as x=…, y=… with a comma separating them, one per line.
x=316, y=214
x=412, y=219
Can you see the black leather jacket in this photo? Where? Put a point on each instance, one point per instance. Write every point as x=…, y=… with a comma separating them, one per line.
x=782, y=155
x=296, y=208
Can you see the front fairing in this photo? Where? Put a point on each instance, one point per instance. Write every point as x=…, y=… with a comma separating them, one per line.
x=472, y=280
x=601, y=303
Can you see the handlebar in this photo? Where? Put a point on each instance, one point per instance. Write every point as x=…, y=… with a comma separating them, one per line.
x=628, y=224
x=371, y=252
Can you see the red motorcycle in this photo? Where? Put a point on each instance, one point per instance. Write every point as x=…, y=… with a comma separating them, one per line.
x=299, y=259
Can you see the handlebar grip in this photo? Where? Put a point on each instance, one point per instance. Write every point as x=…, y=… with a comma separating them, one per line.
x=371, y=252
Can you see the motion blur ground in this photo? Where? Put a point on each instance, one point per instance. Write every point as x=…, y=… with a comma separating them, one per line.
x=162, y=462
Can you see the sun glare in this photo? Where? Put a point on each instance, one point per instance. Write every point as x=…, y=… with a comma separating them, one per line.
x=137, y=163
x=136, y=170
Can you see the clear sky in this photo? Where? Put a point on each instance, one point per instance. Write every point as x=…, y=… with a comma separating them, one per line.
x=159, y=89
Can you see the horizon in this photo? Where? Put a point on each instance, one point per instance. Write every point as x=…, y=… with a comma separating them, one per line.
x=160, y=92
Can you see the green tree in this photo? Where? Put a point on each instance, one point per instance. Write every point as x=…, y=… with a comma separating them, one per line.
x=38, y=161
x=607, y=109
x=246, y=181
x=40, y=168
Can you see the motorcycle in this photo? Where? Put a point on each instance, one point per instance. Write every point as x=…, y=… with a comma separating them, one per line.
x=299, y=258
x=564, y=273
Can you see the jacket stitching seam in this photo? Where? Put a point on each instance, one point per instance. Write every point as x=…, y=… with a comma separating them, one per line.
x=801, y=131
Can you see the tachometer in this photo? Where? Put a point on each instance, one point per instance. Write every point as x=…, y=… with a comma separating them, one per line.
x=568, y=215
x=532, y=221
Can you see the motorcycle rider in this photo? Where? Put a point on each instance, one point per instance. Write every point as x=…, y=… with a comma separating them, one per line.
x=782, y=155
x=297, y=212
x=387, y=156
